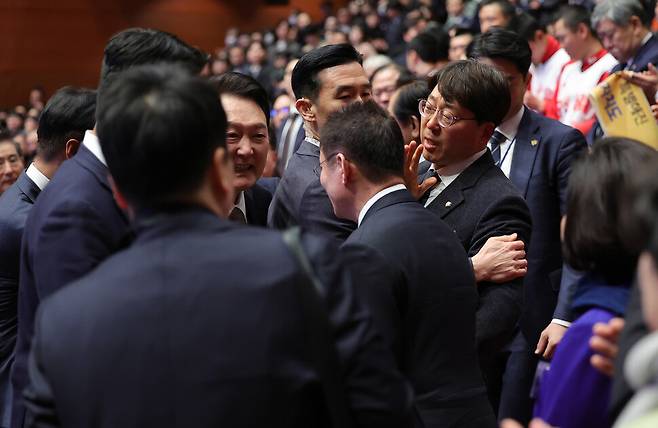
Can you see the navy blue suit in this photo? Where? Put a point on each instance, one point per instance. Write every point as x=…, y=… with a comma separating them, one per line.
x=648, y=53
x=74, y=225
x=479, y=204
x=300, y=199
x=15, y=203
x=257, y=201
x=543, y=152
x=433, y=310
x=199, y=324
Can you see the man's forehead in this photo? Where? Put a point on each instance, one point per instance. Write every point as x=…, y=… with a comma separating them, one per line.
x=242, y=111
x=350, y=74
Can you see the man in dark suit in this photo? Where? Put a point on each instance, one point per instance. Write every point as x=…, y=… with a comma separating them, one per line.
x=62, y=124
x=193, y=286
x=472, y=194
x=536, y=154
x=324, y=80
x=75, y=224
x=247, y=109
x=623, y=26
x=431, y=319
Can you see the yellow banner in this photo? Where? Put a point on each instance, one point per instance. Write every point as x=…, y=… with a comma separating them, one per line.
x=623, y=111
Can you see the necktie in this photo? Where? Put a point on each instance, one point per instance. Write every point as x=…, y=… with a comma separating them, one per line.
x=237, y=216
x=495, y=141
x=431, y=173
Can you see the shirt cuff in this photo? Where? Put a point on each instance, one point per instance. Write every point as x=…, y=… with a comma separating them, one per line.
x=563, y=323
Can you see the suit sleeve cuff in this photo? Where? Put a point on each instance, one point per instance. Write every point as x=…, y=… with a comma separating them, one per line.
x=563, y=323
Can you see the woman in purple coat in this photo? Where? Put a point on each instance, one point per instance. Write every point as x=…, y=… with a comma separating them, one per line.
x=572, y=393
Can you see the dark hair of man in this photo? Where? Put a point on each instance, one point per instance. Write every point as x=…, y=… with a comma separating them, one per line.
x=502, y=44
x=573, y=16
x=304, y=80
x=477, y=87
x=528, y=26
x=367, y=136
x=5, y=138
x=508, y=10
x=406, y=102
x=243, y=86
x=151, y=118
x=138, y=46
x=597, y=184
x=404, y=77
x=5, y=135
x=67, y=115
x=432, y=46
x=460, y=31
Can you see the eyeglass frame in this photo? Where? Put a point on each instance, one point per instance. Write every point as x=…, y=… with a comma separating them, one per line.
x=318, y=169
x=452, y=118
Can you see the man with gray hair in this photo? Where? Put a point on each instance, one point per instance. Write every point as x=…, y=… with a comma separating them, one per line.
x=623, y=26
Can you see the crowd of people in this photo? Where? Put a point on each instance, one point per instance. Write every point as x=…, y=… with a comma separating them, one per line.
x=407, y=215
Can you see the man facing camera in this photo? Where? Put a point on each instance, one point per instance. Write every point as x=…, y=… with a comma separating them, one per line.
x=472, y=194
x=362, y=161
x=201, y=322
x=247, y=140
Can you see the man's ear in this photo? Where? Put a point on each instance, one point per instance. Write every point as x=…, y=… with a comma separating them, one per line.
x=221, y=178
x=582, y=30
x=346, y=168
x=305, y=108
x=121, y=200
x=71, y=148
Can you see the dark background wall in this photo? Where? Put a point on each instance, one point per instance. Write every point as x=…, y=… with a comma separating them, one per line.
x=60, y=42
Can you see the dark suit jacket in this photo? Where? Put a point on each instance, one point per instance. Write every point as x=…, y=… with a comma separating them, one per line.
x=198, y=324
x=15, y=204
x=257, y=201
x=479, y=204
x=543, y=153
x=434, y=308
x=301, y=200
x=648, y=53
x=74, y=225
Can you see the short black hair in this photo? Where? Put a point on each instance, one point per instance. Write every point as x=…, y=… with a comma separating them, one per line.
x=598, y=182
x=404, y=75
x=470, y=83
x=304, y=79
x=508, y=10
x=6, y=138
x=152, y=117
x=67, y=115
x=431, y=46
x=406, y=102
x=528, y=26
x=498, y=43
x=369, y=137
x=139, y=46
x=243, y=86
x=573, y=15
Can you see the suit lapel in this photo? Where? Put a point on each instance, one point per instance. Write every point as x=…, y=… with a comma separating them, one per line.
x=528, y=141
x=397, y=197
x=249, y=206
x=91, y=163
x=453, y=195
x=640, y=63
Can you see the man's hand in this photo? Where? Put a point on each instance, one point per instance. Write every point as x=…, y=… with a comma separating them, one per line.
x=501, y=259
x=647, y=80
x=604, y=343
x=549, y=339
x=412, y=153
x=654, y=110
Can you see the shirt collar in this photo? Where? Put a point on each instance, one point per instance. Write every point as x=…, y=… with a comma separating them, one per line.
x=241, y=205
x=377, y=196
x=450, y=172
x=37, y=176
x=590, y=61
x=644, y=42
x=511, y=125
x=93, y=144
x=552, y=46
x=313, y=141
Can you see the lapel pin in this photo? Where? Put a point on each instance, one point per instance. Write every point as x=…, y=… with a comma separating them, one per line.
x=448, y=204
x=534, y=142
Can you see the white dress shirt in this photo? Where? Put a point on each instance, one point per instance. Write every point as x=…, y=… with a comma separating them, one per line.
x=37, y=176
x=241, y=205
x=448, y=174
x=509, y=128
x=91, y=142
x=377, y=196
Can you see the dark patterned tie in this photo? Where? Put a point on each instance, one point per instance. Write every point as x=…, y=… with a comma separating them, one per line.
x=430, y=173
x=495, y=141
x=237, y=216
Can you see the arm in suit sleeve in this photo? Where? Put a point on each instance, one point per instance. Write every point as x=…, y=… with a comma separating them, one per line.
x=73, y=239
x=571, y=145
x=377, y=393
x=500, y=304
x=38, y=395
x=316, y=214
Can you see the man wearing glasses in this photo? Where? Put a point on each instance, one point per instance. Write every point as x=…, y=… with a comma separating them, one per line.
x=466, y=189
